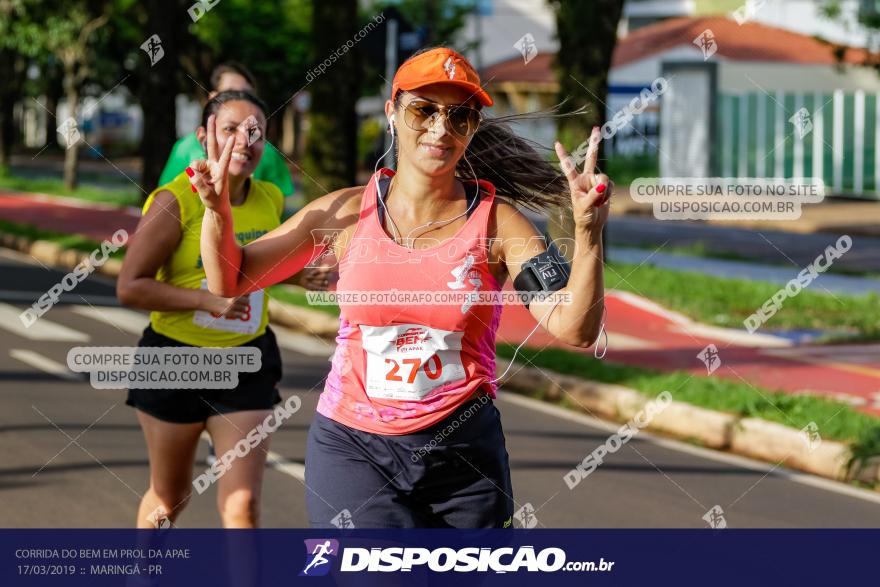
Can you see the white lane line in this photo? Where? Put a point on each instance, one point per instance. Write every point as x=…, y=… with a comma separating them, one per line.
x=275, y=461
x=121, y=318
x=722, y=457
x=44, y=364
x=624, y=342
x=29, y=297
x=306, y=344
x=41, y=329
x=282, y=465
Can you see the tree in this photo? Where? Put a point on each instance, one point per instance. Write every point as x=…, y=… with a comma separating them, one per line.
x=40, y=27
x=13, y=49
x=149, y=53
x=587, y=31
x=331, y=150
x=868, y=17
x=70, y=44
x=271, y=38
x=12, y=67
x=158, y=86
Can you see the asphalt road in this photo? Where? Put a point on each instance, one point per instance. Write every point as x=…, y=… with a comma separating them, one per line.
x=74, y=456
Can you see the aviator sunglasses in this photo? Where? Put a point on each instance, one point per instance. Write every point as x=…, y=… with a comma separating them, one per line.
x=421, y=114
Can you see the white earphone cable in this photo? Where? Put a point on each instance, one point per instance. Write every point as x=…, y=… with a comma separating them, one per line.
x=524, y=341
x=385, y=207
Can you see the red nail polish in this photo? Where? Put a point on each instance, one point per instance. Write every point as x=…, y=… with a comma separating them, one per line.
x=193, y=188
x=601, y=188
x=189, y=172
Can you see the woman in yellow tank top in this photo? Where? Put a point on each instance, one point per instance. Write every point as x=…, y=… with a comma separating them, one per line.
x=163, y=273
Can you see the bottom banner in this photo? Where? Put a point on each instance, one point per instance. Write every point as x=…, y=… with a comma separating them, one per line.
x=217, y=558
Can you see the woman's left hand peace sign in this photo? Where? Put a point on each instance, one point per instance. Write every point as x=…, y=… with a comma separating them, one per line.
x=590, y=192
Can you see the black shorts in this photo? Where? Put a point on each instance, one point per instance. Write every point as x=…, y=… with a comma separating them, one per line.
x=455, y=474
x=255, y=391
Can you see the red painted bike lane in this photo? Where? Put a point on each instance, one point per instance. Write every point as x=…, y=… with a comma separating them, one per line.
x=640, y=333
x=66, y=215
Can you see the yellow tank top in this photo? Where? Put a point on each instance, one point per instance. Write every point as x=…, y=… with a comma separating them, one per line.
x=260, y=213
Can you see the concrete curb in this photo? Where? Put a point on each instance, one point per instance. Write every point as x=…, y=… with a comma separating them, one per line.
x=750, y=437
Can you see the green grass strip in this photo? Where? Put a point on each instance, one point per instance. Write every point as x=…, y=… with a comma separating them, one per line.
x=55, y=187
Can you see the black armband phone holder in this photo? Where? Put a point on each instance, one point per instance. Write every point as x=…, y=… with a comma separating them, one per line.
x=545, y=272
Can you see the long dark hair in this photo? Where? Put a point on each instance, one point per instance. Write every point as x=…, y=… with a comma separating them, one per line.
x=217, y=102
x=513, y=164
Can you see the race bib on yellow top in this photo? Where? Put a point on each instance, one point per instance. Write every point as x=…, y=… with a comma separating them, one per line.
x=247, y=324
x=408, y=361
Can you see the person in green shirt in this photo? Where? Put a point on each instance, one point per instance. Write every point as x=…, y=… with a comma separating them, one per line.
x=272, y=167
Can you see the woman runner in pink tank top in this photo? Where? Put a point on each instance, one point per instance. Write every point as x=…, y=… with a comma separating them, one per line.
x=406, y=433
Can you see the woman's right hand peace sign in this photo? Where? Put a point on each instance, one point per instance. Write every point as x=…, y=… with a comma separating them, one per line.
x=210, y=178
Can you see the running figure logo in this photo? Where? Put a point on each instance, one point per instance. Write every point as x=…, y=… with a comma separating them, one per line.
x=317, y=551
x=460, y=272
x=465, y=271
x=70, y=132
x=706, y=43
x=154, y=50
x=343, y=520
x=251, y=129
x=802, y=123
x=715, y=518
x=526, y=516
x=527, y=47
x=710, y=358
x=449, y=68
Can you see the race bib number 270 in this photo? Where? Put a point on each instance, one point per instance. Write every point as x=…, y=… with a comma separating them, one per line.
x=408, y=361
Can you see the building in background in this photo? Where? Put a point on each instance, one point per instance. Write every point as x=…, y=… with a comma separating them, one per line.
x=750, y=100
x=746, y=100
x=498, y=25
x=763, y=71
x=642, y=13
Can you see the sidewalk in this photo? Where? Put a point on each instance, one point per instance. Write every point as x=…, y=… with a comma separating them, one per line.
x=640, y=333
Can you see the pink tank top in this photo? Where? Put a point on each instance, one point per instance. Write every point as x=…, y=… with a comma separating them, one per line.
x=401, y=366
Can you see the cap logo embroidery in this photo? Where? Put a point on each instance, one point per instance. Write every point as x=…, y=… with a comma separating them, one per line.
x=449, y=68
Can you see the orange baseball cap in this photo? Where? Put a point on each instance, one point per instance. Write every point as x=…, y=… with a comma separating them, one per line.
x=439, y=66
